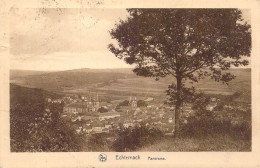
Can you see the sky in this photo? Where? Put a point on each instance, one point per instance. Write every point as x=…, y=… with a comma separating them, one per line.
x=65, y=39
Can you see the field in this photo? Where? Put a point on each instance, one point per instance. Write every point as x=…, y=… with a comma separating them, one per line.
x=123, y=82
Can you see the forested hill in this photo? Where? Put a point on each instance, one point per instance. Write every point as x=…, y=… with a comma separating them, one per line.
x=71, y=79
x=22, y=95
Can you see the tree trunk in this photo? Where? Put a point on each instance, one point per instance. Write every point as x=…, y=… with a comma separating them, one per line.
x=178, y=108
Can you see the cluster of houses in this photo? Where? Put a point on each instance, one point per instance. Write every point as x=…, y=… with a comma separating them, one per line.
x=85, y=116
x=84, y=112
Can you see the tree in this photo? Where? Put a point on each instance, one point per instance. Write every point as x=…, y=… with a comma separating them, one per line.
x=96, y=142
x=124, y=103
x=37, y=126
x=130, y=139
x=188, y=44
x=102, y=110
x=141, y=103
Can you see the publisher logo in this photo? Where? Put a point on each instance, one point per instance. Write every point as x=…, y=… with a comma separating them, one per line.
x=102, y=157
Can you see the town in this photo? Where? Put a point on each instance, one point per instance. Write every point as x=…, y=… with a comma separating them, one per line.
x=90, y=115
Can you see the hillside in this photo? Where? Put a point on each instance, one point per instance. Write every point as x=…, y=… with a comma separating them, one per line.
x=148, y=86
x=71, y=79
x=23, y=73
x=22, y=95
x=124, y=82
x=220, y=143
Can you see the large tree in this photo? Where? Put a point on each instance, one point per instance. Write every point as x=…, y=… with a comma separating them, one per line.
x=188, y=44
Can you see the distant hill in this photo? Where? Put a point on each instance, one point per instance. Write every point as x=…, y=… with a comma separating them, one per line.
x=148, y=86
x=71, y=79
x=22, y=73
x=123, y=82
x=115, y=70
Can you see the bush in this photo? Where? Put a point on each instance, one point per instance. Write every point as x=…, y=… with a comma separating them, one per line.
x=131, y=139
x=96, y=142
x=124, y=103
x=102, y=110
x=242, y=131
x=205, y=123
x=142, y=103
x=33, y=129
x=208, y=126
x=205, y=126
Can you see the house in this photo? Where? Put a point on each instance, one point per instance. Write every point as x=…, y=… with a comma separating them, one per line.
x=57, y=101
x=149, y=99
x=211, y=106
x=97, y=129
x=108, y=126
x=132, y=102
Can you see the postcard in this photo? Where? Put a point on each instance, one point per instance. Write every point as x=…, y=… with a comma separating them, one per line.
x=96, y=83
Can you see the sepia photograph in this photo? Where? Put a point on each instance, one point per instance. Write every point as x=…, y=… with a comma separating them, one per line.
x=130, y=80
x=123, y=84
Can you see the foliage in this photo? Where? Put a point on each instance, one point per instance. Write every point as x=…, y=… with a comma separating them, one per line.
x=172, y=41
x=185, y=95
x=124, y=103
x=38, y=127
x=102, y=110
x=218, y=143
x=142, y=103
x=201, y=127
x=130, y=139
x=96, y=142
x=176, y=42
x=206, y=123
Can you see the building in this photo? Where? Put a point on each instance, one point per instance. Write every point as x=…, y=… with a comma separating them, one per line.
x=90, y=105
x=108, y=115
x=132, y=102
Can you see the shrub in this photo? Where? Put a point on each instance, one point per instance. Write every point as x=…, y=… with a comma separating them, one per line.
x=130, y=139
x=102, y=110
x=124, y=103
x=205, y=126
x=142, y=103
x=200, y=127
x=205, y=123
x=33, y=129
x=96, y=142
x=242, y=131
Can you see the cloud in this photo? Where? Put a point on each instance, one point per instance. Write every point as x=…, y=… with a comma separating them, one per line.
x=65, y=39
x=64, y=60
x=69, y=31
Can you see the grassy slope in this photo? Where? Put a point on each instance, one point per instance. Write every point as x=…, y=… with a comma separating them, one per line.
x=220, y=143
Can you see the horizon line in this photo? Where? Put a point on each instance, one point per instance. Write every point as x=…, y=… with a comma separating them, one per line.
x=98, y=69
